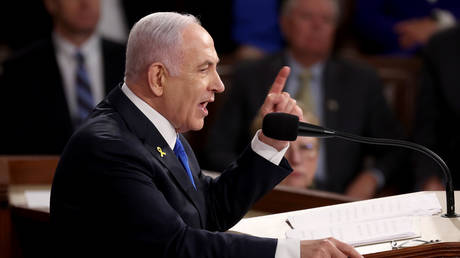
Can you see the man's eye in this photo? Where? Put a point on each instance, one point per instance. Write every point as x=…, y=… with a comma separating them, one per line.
x=204, y=68
x=306, y=146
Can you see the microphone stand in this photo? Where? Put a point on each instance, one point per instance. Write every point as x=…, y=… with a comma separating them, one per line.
x=287, y=127
x=450, y=200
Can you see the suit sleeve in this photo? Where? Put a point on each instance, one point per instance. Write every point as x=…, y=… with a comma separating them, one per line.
x=244, y=182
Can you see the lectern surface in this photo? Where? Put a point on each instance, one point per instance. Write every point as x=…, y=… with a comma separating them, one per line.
x=431, y=227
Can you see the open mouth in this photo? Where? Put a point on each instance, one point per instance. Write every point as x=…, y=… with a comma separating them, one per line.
x=203, y=105
x=203, y=108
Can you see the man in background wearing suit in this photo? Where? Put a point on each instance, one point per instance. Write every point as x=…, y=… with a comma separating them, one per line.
x=346, y=96
x=438, y=110
x=144, y=193
x=57, y=80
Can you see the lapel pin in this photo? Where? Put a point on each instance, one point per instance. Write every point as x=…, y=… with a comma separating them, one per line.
x=332, y=105
x=162, y=153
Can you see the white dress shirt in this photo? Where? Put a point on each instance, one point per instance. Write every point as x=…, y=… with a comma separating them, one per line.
x=67, y=63
x=285, y=248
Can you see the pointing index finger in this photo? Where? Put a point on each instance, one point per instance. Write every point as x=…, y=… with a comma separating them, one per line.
x=280, y=80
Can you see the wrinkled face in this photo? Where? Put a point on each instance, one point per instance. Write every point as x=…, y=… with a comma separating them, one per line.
x=303, y=157
x=310, y=27
x=77, y=16
x=187, y=94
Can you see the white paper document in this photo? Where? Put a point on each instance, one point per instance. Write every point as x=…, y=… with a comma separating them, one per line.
x=363, y=222
x=38, y=199
x=363, y=233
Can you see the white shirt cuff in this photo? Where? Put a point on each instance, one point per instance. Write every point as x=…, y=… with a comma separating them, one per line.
x=266, y=151
x=288, y=248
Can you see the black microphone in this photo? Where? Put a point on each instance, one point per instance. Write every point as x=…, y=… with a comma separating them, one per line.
x=286, y=127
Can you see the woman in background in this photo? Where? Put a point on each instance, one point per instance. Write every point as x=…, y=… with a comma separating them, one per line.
x=303, y=158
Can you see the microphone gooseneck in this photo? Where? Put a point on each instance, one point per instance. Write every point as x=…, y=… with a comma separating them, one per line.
x=275, y=121
x=450, y=200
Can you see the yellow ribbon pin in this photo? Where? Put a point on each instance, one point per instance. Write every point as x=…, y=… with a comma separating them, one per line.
x=162, y=153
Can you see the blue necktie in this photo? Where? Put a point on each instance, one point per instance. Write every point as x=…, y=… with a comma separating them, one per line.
x=85, y=102
x=180, y=153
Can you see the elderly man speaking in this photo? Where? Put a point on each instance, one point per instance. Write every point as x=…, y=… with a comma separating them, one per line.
x=128, y=183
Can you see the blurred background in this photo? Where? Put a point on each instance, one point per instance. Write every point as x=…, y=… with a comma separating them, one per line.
x=387, y=36
x=377, y=68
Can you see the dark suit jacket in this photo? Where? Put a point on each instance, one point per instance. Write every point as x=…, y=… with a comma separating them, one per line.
x=353, y=102
x=114, y=192
x=438, y=106
x=35, y=114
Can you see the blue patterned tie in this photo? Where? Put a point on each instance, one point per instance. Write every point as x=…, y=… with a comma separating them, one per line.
x=180, y=153
x=85, y=102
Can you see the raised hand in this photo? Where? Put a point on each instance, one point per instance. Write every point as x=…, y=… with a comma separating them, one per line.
x=279, y=101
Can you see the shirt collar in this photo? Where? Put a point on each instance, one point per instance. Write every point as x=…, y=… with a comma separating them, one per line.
x=165, y=128
x=88, y=48
x=297, y=68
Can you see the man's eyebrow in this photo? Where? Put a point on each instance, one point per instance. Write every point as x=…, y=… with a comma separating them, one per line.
x=209, y=62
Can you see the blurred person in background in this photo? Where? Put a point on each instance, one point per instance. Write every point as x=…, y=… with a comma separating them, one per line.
x=302, y=155
x=50, y=87
x=255, y=28
x=438, y=110
x=343, y=95
x=401, y=27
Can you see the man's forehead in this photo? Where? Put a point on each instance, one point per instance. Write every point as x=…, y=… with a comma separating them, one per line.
x=195, y=32
x=199, y=45
x=310, y=5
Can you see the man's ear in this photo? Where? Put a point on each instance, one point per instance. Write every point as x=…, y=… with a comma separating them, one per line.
x=156, y=77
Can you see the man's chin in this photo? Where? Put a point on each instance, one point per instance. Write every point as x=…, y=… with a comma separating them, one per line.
x=198, y=125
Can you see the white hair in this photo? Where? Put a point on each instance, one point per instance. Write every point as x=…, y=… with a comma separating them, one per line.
x=288, y=5
x=156, y=38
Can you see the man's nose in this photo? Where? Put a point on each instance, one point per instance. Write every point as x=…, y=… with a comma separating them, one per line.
x=217, y=85
x=295, y=155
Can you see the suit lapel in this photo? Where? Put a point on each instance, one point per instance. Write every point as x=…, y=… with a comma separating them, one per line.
x=157, y=146
x=174, y=165
x=163, y=153
x=197, y=195
x=331, y=95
